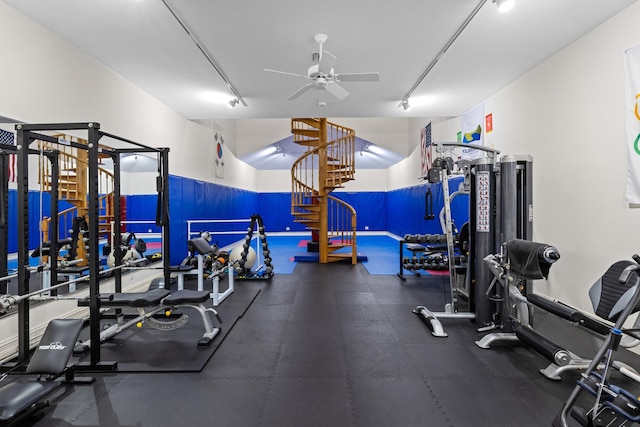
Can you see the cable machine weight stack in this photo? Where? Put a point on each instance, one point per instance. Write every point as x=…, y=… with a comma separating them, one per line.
x=510, y=193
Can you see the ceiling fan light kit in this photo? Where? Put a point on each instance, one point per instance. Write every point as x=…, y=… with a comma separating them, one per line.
x=323, y=75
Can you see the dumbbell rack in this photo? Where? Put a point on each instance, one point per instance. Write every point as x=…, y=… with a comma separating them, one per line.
x=426, y=244
x=416, y=244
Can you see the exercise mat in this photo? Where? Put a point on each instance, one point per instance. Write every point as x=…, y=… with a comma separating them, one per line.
x=150, y=350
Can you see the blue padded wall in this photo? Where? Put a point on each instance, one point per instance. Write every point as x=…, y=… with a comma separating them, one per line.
x=369, y=208
x=191, y=200
x=406, y=208
x=399, y=211
x=142, y=208
x=275, y=209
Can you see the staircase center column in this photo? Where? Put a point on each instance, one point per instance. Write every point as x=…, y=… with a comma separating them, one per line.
x=323, y=228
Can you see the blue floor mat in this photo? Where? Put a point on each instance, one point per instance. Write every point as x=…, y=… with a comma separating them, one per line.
x=381, y=252
x=283, y=249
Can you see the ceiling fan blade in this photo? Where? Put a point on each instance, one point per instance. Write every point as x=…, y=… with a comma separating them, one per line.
x=336, y=90
x=286, y=73
x=358, y=77
x=326, y=62
x=300, y=91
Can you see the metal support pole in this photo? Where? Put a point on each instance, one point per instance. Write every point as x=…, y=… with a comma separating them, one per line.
x=4, y=218
x=116, y=239
x=53, y=225
x=22, y=159
x=166, y=240
x=94, y=259
x=448, y=229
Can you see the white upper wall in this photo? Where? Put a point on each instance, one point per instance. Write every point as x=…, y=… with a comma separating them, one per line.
x=50, y=81
x=254, y=135
x=394, y=134
x=367, y=180
x=75, y=88
x=407, y=172
x=390, y=133
x=569, y=114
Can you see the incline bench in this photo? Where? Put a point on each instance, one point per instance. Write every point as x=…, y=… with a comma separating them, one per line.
x=24, y=397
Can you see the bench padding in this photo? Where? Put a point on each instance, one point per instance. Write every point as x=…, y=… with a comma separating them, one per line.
x=187, y=297
x=55, y=347
x=51, y=357
x=134, y=299
x=199, y=245
x=17, y=396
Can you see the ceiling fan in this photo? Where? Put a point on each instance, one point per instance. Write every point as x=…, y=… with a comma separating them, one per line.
x=323, y=76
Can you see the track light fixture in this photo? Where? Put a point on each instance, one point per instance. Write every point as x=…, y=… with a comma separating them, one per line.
x=433, y=63
x=503, y=5
x=205, y=53
x=405, y=104
x=233, y=102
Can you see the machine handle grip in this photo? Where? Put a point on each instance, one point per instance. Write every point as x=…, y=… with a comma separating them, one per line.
x=626, y=273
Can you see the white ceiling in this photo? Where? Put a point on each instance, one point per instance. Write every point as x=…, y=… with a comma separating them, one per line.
x=143, y=42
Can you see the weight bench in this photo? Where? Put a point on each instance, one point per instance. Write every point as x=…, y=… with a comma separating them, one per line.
x=200, y=247
x=22, y=398
x=152, y=303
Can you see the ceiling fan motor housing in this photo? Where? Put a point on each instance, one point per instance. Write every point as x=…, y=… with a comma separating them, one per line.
x=323, y=75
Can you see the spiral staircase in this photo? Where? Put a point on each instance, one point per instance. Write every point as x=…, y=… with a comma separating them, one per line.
x=328, y=163
x=73, y=185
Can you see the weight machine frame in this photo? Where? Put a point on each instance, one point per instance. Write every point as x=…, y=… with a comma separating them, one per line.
x=500, y=210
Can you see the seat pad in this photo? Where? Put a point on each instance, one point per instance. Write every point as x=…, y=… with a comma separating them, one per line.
x=186, y=297
x=20, y=395
x=135, y=299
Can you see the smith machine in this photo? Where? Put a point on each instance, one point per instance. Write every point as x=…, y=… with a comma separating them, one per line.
x=500, y=209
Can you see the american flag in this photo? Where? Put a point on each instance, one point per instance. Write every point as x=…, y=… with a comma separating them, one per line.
x=425, y=149
x=6, y=138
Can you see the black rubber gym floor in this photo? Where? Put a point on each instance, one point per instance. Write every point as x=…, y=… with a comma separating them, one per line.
x=331, y=345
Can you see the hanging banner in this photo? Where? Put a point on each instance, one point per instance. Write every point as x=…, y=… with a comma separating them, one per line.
x=632, y=82
x=7, y=138
x=471, y=123
x=425, y=150
x=218, y=143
